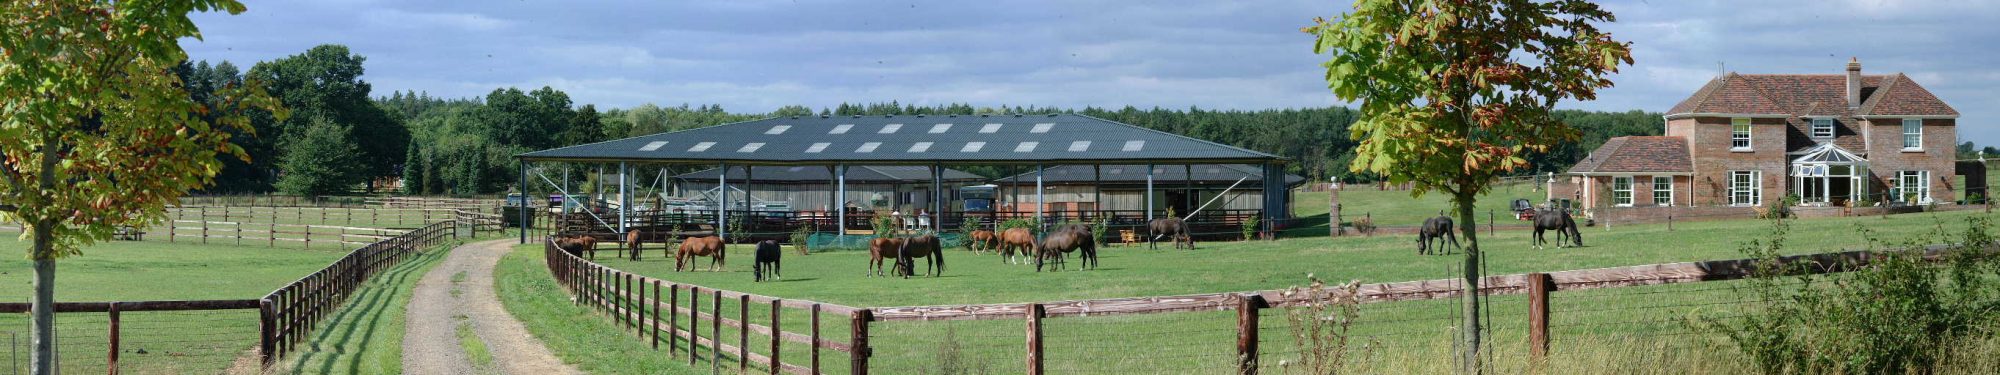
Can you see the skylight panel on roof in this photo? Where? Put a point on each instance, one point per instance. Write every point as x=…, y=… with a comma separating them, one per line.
x=1042, y=127
x=1117, y=170
x=653, y=146
x=920, y=147
x=817, y=147
x=840, y=129
x=776, y=130
x=868, y=147
x=699, y=147
x=1028, y=146
x=973, y=147
x=1133, y=146
x=940, y=128
x=890, y=128
x=989, y=129
x=751, y=147
x=1079, y=146
x=795, y=169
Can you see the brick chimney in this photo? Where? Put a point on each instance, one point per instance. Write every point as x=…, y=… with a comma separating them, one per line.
x=1853, y=83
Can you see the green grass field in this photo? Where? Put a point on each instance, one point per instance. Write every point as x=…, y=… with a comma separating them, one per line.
x=1626, y=318
x=365, y=336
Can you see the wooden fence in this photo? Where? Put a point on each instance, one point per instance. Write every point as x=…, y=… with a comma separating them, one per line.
x=115, y=315
x=272, y=234
x=349, y=216
x=623, y=296
x=287, y=315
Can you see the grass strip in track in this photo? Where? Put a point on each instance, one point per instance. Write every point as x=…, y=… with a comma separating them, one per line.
x=366, y=335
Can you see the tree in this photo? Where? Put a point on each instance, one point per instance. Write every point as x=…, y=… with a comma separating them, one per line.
x=584, y=127
x=324, y=83
x=96, y=130
x=321, y=161
x=1454, y=93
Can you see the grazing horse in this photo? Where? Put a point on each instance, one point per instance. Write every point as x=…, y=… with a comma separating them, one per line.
x=768, y=253
x=1436, y=228
x=710, y=247
x=576, y=244
x=1055, y=247
x=882, y=247
x=1017, y=241
x=926, y=246
x=982, y=240
x=1558, y=220
x=635, y=240
x=1169, y=227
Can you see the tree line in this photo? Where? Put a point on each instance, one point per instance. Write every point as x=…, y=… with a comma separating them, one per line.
x=340, y=139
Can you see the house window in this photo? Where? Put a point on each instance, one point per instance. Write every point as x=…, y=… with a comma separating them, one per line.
x=1746, y=188
x=1822, y=128
x=1739, y=134
x=1663, y=190
x=1913, y=134
x=1912, y=187
x=1621, y=191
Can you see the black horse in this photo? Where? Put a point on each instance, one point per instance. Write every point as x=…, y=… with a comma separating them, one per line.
x=926, y=246
x=1436, y=228
x=1559, y=221
x=768, y=253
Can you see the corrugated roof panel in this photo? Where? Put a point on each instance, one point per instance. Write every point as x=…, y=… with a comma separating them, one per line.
x=751, y=147
x=973, y=146
x=653, y=146
x=920, y=147
x=1079, y=146
x=840, y=129
x=1042, y=127
x=699, y=147
x=940, y=128
x=776, y=130
x=1028, y=146
x=817, y=147
x=1132, y=146
x=990, y=128
x=868, y=147
x=890, y=128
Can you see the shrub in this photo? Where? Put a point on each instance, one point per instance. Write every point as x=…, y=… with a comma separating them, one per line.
x=884, y=225
x=800, y=237
x=1250, y=228
x=1319, y=328
x=1032, y=225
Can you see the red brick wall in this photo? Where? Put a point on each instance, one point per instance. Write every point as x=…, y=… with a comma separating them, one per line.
x=1886, y=156
x=1708, y=140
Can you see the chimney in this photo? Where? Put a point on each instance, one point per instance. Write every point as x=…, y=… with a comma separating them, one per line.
x=1853, y=83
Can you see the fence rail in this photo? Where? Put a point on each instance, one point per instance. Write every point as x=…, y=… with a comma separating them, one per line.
x=613, y=291
x=287, y=315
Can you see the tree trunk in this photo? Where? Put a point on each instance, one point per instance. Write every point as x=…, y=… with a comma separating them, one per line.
x=1471, y=330
x=42, y=336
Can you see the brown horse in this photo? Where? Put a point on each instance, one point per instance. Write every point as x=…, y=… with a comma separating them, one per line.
x=1176, y=228
x=1016, y=241
x=982, y=240
x=636, y=239
x=1058, y=244
x=576, y=244
x=710, y=247
x=926, y=246
x=882, y=248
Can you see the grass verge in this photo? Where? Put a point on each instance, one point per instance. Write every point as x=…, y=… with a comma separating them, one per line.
x=579, y=336
x=366, y=335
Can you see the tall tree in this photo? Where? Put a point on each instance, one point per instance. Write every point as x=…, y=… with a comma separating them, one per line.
x=1453, y=93
x=584, y=127
x=96, y=130
x=325, y=83
x=320, y=161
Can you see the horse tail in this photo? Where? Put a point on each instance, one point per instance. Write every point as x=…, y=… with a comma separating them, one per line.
x=938, y=257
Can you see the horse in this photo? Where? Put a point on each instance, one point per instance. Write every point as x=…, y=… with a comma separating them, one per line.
x=926, y=246
x=1016, y=241
x=576, y=244
x=710, y=246
x=1436, y=228
x=636, y=238
x=1558, y=220
x=768, y=254
x=1058, y=243
x=982, y=240
x=1171, y=227
x=882, y=247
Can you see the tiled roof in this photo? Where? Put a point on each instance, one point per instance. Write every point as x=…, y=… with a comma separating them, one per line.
x=1637, y=155
x=1812, y=95
x=1906, y=97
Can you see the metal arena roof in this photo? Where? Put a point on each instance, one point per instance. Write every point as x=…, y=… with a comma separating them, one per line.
x=820, y=175
x=913, y=140
x=1164, y=175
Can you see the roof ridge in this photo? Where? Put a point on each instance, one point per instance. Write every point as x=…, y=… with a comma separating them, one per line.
x=1882, y=92
x=1702, y=94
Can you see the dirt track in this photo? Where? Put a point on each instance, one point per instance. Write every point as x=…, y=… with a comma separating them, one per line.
x=460, y=291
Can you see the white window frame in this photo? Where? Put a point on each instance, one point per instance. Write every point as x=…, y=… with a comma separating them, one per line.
x=1663, y=187
x=1621, y=191
x=1918, y=180
x=1913, y=134
x=1746, y=188
x=1739, y=132
x=1822, y=128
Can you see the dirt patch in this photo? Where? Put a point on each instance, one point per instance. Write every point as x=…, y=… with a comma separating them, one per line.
x=460, y=291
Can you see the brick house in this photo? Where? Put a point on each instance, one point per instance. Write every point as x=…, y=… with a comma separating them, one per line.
x=1755, y=139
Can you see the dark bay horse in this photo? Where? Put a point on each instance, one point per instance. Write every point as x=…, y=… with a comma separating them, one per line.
x=1436, y=228
x=1174, y=227
x=768, y=257
x=576, y=244
x=926, y=246
x=1559, y=221
x=1056, y=246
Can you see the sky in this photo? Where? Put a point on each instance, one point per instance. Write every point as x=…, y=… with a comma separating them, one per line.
x=758, y=55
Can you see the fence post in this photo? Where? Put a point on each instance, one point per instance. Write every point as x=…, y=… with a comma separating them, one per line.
x=715, y=331
x=694, y=322
x=1490, y=229
x=674, y=319
x=1035, y=313
x=743, y=332
x=111, y=359
x=858, y=360
x=265, y=333
x=1246, y=332
x=655, y=326
x=1538, y=317
x=815, y=338
x=777, y=334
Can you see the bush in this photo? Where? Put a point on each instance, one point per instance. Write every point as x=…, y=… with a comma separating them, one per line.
x=1319, y=328
x=1250, y=228
x=1899, y=313
x=1031, y=224
x=800, y=237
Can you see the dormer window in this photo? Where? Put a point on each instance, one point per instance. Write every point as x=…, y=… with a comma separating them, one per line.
x=1822, y=128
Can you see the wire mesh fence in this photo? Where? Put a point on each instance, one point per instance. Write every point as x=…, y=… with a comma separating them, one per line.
x=147, y=342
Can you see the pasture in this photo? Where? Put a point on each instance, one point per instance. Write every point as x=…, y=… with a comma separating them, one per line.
x=1599, y=327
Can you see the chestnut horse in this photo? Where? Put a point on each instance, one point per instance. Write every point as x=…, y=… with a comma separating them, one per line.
x=576, y=244
x=1016, y=241
x=635, y=240
x=879, y=248
x=982, y=240
x=710, y=247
